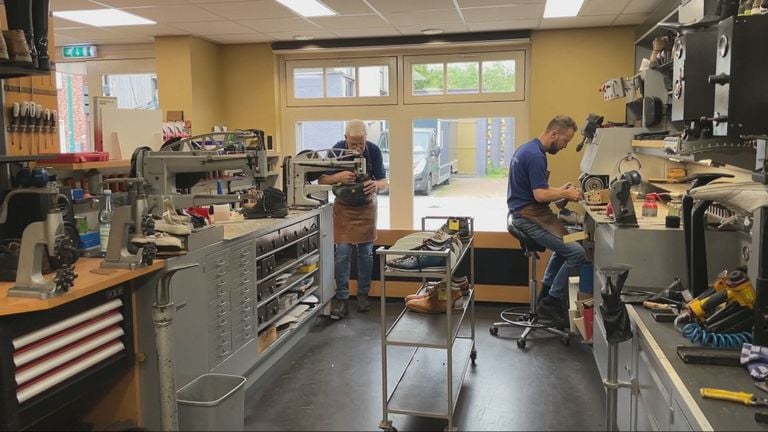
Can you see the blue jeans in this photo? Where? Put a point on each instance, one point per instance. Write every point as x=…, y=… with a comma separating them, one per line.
x=343, y=260
x=565, y=256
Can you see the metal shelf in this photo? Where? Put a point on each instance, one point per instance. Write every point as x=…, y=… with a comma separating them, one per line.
x=427, y=330
x=290, y=264
x=282, y=338
x=287, y=287
x=286, y=310
x=285, y=246
x=422, y=390
x=424, y=274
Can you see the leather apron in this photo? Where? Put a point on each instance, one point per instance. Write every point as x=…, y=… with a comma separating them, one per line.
x=542, y=215
x=354, y=224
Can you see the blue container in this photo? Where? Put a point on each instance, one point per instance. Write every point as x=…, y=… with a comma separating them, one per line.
x=89, y=240
x=586, y=278
x=77, y=194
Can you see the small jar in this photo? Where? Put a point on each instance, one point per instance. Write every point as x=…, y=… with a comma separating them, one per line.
x=650, y=209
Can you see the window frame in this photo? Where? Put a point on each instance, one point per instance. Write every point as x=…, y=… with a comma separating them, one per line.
x=518, y=55
x=389, y=61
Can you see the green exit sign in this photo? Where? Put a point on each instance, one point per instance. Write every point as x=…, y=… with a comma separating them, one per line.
x=79, y=51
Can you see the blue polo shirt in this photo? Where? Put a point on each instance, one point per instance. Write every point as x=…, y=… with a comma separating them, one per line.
x=527, y=171
x=373, y=160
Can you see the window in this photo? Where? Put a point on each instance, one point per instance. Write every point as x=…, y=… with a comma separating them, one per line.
x=496, y=76
x=353, y=82
x=135, y=91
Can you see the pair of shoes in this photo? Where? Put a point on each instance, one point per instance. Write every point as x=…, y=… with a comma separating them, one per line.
x=435, y=301
x=161, y=240
x=417, y=263
x=544, y=293
x=460, y=284
x=363, y=303
x=457, y=225
x=551, y=309
x=172, y=223
x=339, y=308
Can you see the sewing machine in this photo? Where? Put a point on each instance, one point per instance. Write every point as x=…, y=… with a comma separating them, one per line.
x=158, y=176
x=601, y=152
x=306, y=167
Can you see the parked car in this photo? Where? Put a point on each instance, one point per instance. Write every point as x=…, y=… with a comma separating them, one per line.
x=428, y=172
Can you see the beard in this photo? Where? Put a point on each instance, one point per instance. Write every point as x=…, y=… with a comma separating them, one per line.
x=553, y=150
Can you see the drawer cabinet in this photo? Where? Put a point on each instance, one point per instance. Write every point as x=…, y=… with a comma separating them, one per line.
x=266, y=289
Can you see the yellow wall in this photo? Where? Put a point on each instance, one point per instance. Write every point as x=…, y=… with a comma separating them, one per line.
x=174, y=77
x=567, y=68
x=249, y=87
x=207, y=108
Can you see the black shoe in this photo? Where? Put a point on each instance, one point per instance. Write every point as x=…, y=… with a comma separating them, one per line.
x=542, y=294
x=551, y=309
x=339, y=308
x=363, y=303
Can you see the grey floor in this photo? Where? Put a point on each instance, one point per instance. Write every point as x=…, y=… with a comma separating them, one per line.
x=332, y=381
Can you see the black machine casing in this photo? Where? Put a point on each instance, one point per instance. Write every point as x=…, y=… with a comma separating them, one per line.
x=25, y=208
x=740, y=81
x=694, y=61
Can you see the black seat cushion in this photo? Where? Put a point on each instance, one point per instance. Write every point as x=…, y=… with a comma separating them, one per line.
x=526, y=242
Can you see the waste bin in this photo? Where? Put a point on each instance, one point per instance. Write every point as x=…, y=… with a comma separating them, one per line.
x=212, y=402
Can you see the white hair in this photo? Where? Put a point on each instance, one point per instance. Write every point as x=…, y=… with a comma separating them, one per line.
x=355, y=128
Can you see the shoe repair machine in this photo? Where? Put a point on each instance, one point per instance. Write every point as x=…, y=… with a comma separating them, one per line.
x=157, y=176
x=306, y=167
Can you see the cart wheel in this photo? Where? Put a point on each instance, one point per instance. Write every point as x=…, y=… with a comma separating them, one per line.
x=493, y=331
x=521, y=343
x=566, y=341
x=473, y=356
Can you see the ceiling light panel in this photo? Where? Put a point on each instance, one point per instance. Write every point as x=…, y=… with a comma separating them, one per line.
x=103, y=17
x=562, y=8
x=308, y=8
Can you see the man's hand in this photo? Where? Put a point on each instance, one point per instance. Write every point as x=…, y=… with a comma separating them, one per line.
x=370, y=187
x=573, y=194
x=344, y=177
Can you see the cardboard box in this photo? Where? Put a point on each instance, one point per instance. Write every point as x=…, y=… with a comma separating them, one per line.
x=267, y=337
x=174, y=116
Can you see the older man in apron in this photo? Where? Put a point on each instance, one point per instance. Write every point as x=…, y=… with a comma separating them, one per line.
x=528, y=198
x=354, y=221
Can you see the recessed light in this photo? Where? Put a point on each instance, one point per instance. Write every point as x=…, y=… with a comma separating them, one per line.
x=308, y=8
x=562, y=8
x=432, y=31
x=103, y=17
x=303, y=37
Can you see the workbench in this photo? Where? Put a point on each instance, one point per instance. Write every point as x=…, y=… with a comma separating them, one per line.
x=102, y=380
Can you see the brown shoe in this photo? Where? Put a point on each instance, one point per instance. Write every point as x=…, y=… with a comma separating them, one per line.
x=424, y=291
x=433, y=305
x=460, y=282
x=16, y=45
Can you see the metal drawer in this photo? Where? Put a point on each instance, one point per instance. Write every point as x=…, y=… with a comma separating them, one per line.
x=216, y=261
x=655, y=395
x=265, y=267
x=217, y=290
x=265, y=289
x=242, y=333
x=266, y=312
x=218, y=308
x=313, y=242
x=220, y=349
x=242, y=296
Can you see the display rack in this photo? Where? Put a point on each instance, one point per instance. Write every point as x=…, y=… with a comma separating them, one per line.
x=430, y=383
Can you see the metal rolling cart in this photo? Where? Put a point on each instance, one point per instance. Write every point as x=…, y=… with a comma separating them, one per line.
x=430, y=383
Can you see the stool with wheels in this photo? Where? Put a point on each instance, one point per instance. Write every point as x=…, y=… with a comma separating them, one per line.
x=521, y=316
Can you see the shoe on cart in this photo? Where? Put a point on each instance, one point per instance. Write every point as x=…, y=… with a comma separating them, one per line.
x=463, y=230
x=424, y=291
x=461, y=283
x=416, y=263
x=436, y=302
x=363, y=303
x=339, y=308
x=551, y=309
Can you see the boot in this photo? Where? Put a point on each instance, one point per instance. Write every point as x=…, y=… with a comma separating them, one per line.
x=339, y=308
x=40, y=26
x=19, y=16
x=18, y=51
x=363, y=303
x=434, y=305
x=423, y=292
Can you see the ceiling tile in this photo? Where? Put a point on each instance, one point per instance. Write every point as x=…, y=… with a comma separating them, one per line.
x=642, y=6
x=255, y=9
x=410, y=6
x=175, y=13
x=240, y=38
x=435, y=17
x=213, y=28
x=149, y=30
x=602, y=7
x=122, y=41
x=86, y=32
x=141, y=3
x=512, y=13
x=348, y=7
x=62, y=5
x=481, y=3
x=65, y=40
x=416, y=29
x=318, y=34
x=629, y=19
x=367, y=32
x=590, y=21
x=503, y=25
x=279, y=25
x=349, y=22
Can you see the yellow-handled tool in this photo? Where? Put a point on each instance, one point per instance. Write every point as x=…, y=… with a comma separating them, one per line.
x=741, y=397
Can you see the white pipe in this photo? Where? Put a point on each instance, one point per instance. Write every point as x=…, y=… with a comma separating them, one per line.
x=44, y=332
x=66, y=339
x=35, y=370
x=68, y=372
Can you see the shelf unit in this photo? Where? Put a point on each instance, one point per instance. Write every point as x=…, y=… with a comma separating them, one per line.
x=430, y=383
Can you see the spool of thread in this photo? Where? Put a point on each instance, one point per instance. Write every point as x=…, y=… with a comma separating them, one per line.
x=672, y=222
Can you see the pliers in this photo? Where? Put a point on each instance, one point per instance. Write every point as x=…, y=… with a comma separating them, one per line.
x=741, y=397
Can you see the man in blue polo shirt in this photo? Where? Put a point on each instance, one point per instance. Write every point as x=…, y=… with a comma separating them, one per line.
x=528, y=198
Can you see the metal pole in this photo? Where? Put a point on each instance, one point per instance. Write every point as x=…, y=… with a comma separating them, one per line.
x=612, y=388
x=449, y=336
x=384, y=390
x=163, y=312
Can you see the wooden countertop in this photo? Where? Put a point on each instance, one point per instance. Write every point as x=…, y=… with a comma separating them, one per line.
x=85, y=284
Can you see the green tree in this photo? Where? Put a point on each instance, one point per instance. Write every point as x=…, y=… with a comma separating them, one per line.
x=498, y=76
